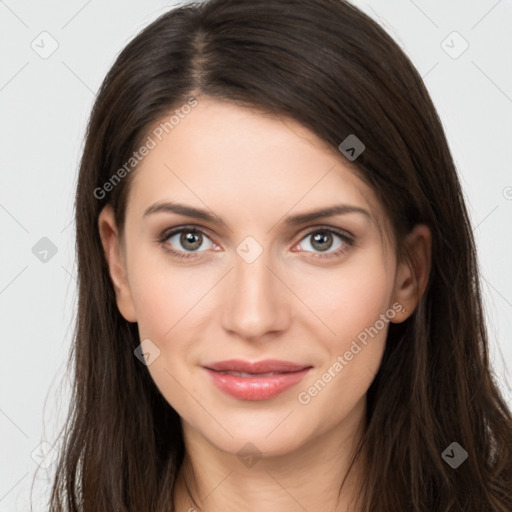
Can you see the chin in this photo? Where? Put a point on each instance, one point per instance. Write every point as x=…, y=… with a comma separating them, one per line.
x=260, y=434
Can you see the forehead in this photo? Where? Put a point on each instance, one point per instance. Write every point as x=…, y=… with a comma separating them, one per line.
x=244, y=164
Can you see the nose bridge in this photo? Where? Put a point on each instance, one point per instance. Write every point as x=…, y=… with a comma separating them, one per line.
x=257, y=301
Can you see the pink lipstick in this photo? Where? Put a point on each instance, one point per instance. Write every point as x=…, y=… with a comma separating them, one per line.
x=260, y=380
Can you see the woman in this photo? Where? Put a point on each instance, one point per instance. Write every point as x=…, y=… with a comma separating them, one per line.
x=279, y=302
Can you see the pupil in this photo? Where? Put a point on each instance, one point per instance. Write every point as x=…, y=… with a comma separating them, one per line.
x=319, y=237
x=188, y=238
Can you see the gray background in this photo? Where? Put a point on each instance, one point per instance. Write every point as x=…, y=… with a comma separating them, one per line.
x=45, y=103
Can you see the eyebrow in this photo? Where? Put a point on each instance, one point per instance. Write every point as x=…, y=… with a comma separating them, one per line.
x=302, y=218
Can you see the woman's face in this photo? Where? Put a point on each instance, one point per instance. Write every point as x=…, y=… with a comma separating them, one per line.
x=249, y=279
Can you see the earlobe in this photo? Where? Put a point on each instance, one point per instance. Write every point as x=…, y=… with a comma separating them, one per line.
x=413, y=273
x=110, y=242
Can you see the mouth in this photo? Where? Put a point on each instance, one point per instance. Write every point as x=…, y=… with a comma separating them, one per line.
x=261, y=380
x=244, y=374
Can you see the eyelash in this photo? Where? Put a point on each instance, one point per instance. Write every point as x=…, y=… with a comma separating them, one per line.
x=165, y=235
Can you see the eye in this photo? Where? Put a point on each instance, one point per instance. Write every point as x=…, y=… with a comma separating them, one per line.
x=324, y=241
x=184, y=241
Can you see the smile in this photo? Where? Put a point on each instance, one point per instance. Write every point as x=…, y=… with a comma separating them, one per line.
x=255, y=381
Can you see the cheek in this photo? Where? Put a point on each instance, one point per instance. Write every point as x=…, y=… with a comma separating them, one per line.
x=157, y=308
x=352, y=356
x=349, y=298
x=166, y=300
x=350, y=302
x=164, y=295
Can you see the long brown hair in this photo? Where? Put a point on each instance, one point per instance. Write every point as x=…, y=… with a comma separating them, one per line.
x=332, y=68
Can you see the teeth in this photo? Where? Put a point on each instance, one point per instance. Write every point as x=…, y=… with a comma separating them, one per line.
x=244, y=374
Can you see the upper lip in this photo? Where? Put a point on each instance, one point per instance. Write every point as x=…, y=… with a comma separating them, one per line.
x=269, y=365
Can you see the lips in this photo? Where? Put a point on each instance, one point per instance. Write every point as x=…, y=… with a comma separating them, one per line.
x=267, y=366
x=260, y=380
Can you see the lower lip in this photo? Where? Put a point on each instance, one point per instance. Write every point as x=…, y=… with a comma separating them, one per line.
x=256, y=388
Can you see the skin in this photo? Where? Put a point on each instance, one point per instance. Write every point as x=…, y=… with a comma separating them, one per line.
x=252, y=170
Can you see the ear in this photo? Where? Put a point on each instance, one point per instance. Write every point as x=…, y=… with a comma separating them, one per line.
x=412, y=274
x=116, y=263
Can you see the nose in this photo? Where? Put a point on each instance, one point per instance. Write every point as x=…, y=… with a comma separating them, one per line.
x=257, y=302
